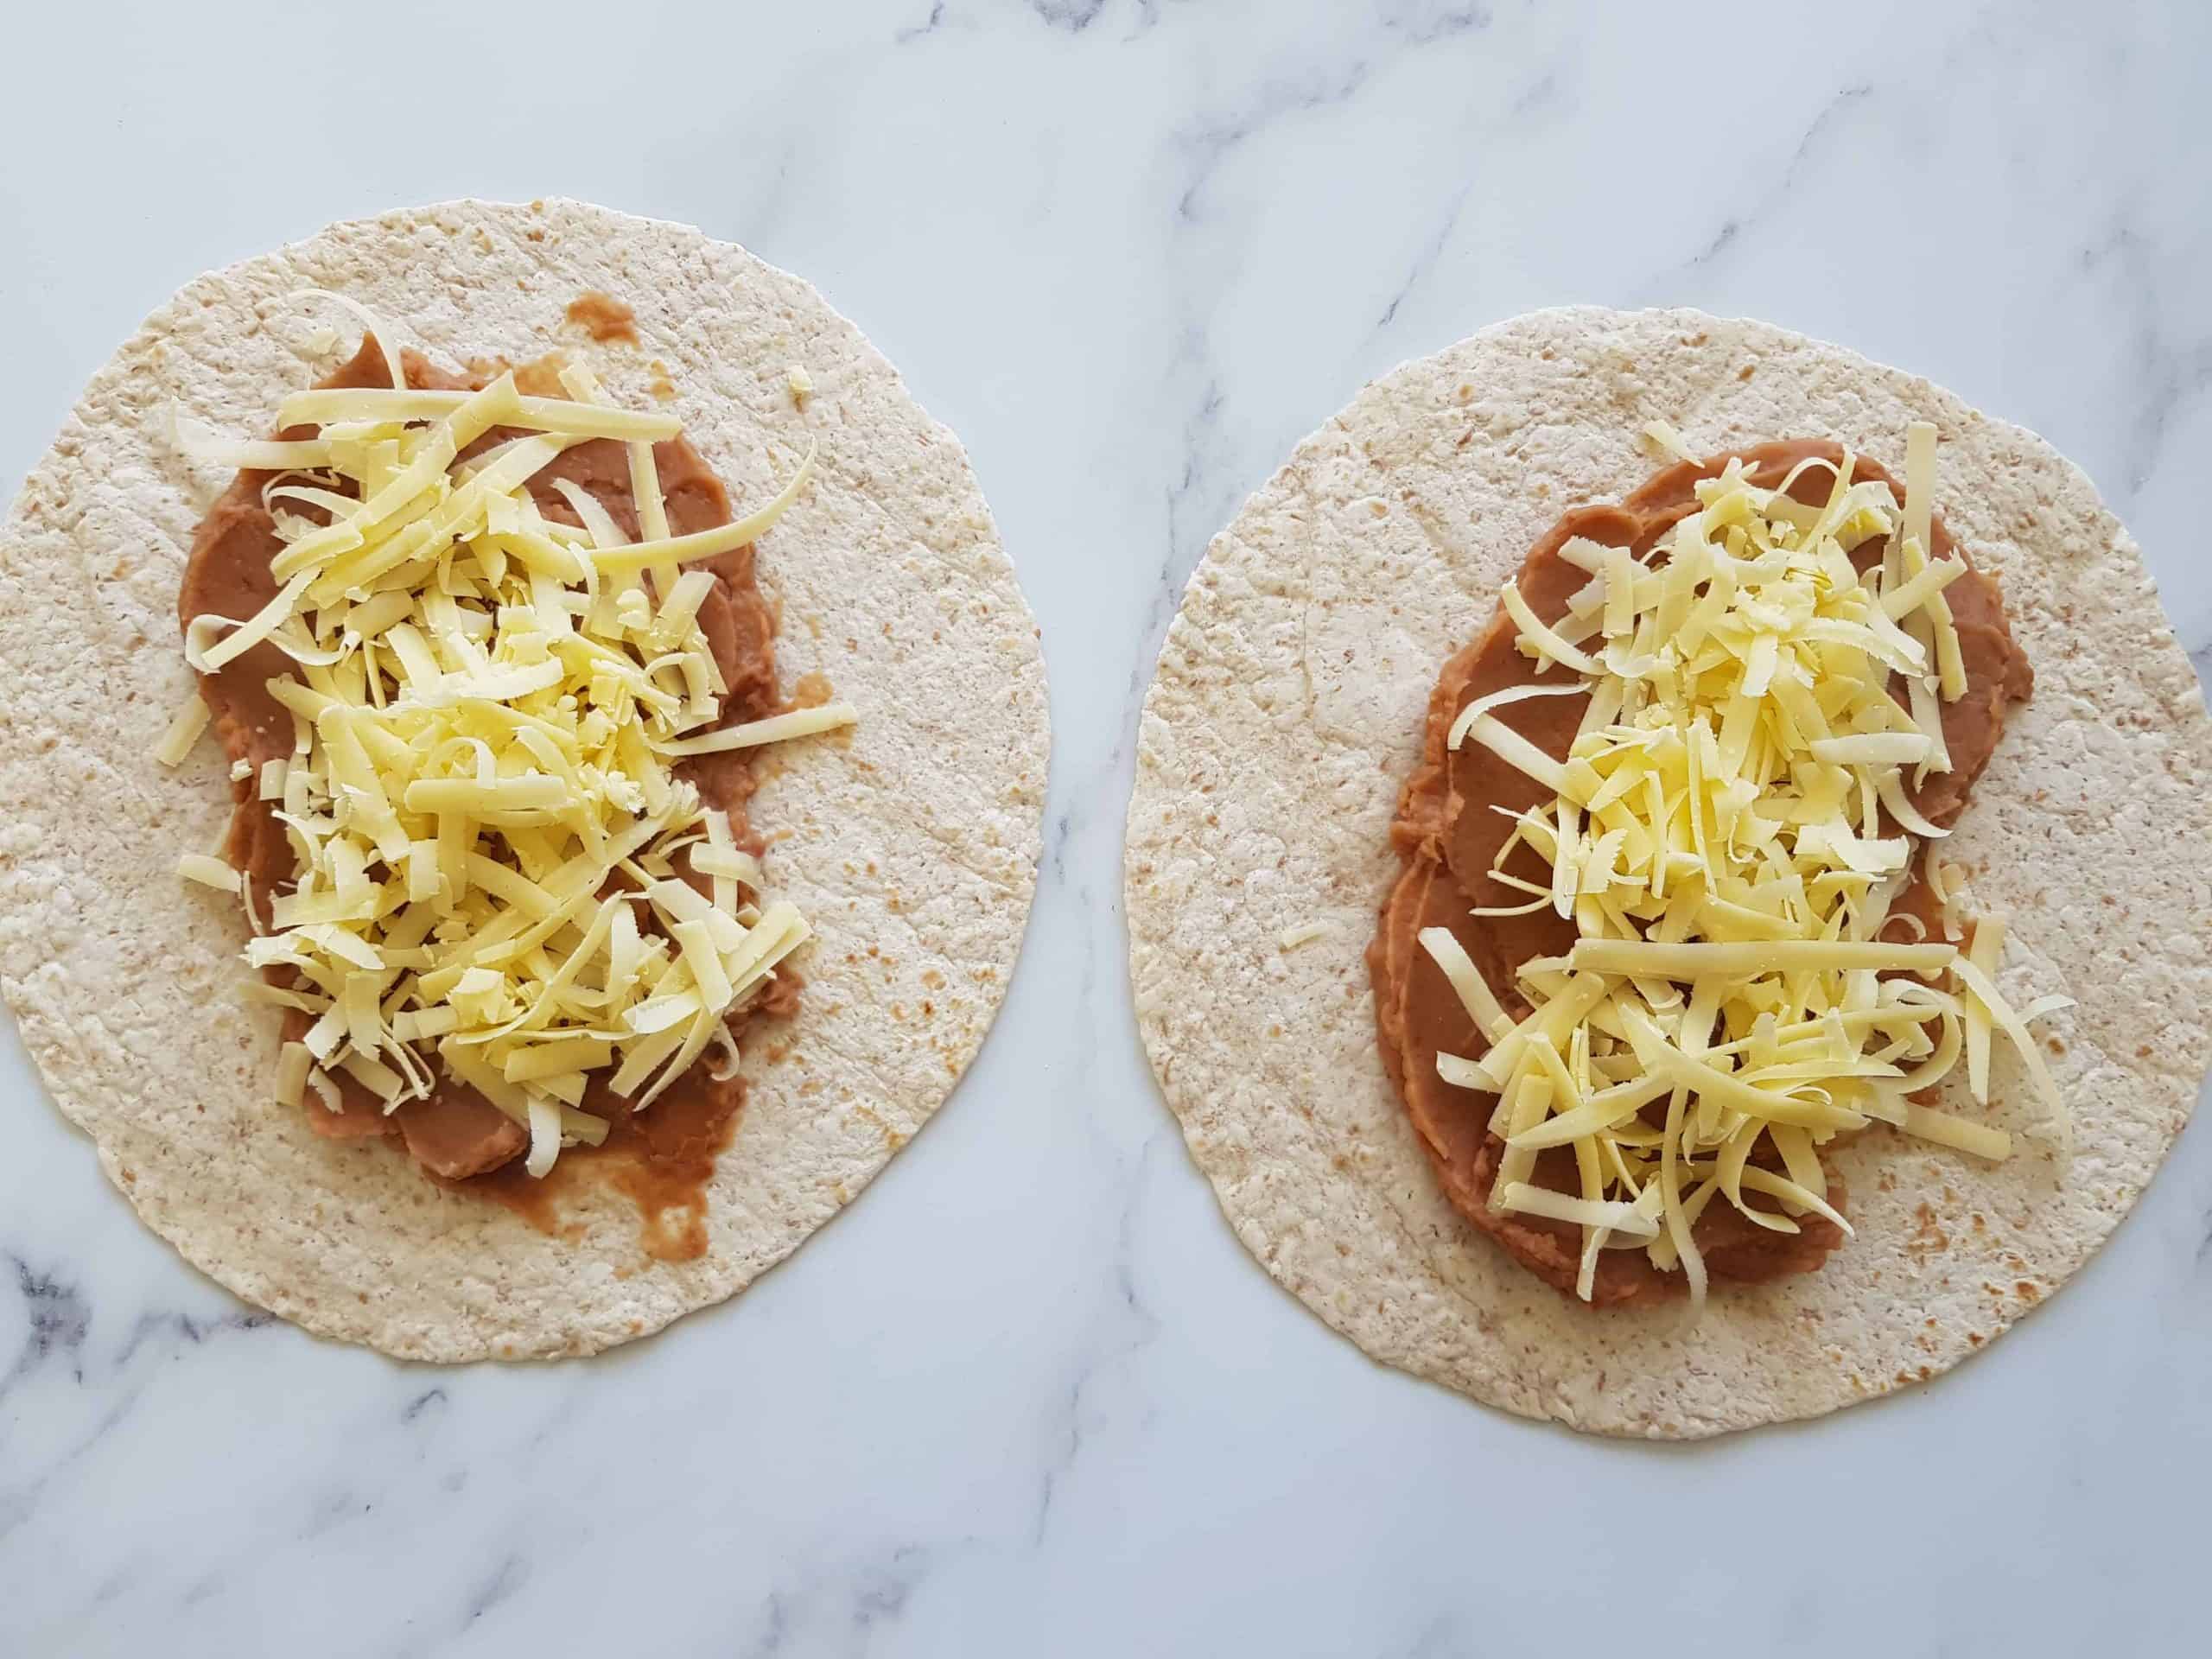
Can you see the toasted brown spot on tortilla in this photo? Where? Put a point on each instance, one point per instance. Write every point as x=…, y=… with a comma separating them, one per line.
x=603, y=317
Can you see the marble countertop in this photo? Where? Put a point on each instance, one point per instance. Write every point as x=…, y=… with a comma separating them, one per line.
x=1028, y=1396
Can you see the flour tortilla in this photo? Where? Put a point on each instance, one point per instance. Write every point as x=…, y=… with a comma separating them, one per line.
x=1288, y=711
x=912, y=848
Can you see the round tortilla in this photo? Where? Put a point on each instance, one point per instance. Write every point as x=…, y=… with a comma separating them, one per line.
x=1288, y=711
x=911, y=844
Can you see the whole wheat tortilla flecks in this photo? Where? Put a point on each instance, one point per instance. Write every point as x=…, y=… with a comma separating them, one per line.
x=911, y=842
x=1287, y=712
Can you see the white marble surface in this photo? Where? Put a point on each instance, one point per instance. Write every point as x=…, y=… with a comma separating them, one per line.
x=1028, y=1396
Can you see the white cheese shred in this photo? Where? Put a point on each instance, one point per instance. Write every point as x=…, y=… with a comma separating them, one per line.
x=183, y=732
x=776, y=728
x=209, y=871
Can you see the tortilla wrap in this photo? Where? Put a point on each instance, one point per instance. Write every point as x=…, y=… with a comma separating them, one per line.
x=912, y=848
x=1288, y=710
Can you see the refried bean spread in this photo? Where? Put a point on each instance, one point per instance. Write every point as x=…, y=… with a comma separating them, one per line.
x=1450, y=832
x=455, y=1133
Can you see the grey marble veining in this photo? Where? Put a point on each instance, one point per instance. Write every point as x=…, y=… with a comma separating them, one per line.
x=1028, y=1396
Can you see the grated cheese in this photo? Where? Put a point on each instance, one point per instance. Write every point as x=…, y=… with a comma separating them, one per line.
x=487, y=709
x=1717, y=833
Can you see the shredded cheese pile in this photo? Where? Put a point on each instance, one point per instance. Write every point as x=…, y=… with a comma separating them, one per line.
x=481, y=797
x=1717, y=835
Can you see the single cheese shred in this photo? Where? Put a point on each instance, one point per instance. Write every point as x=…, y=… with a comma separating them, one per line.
x=183, y=732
